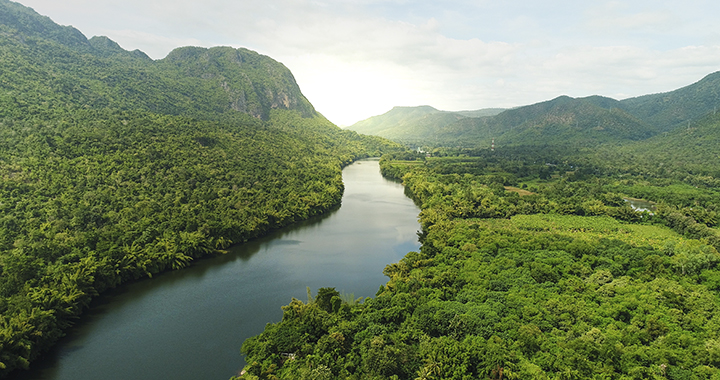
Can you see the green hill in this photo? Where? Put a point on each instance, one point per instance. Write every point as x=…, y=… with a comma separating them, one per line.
x=241, y=80
x=583, y=121
x=672, y=109
x=688, y=154
x=564, y=120
x=481, y=113
x=114, y=167
x=39, y=57
x=397, y=116
x=415, y=125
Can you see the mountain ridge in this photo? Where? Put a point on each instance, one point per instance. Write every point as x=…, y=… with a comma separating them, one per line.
x=585, y=121
x=672, y=108
x=251, y=83
x=404, y=123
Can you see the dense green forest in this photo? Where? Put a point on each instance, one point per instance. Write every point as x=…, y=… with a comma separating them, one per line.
x=115, y=167
x=532, y=266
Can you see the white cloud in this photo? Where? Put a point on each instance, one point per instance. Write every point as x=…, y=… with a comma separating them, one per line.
x=618, y=17
x=154, y=45
x=379, y=64
x=621, y=71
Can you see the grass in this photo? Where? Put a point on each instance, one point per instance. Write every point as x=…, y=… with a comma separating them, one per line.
x=518, y=190
x=593, y=227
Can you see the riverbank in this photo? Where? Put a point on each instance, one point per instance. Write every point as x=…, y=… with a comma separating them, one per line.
x=190, y=324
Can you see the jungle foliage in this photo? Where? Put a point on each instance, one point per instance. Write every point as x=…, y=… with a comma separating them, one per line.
x=532, y=266
x=115, y=167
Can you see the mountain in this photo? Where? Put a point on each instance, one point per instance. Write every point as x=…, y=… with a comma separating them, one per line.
x=397, y=116
x=686, y=153
x=415, y=124
x=250, y=82
x=66, y=67
x=672, y=109
x=115, y=167
x=482, y=112
x=561, y=120
x=24, y=24
x=564, y=120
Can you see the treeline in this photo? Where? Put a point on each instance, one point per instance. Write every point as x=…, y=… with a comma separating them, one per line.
x=574, y=184
x=485, y=194
x=115, y=167
x=526, y=271
x=99, y=197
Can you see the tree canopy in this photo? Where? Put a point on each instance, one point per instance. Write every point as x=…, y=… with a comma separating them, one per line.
x=115, y=167
x=533, y=265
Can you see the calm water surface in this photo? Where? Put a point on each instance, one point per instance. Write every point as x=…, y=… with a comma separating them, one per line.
x=190, y=324
x=641, y=205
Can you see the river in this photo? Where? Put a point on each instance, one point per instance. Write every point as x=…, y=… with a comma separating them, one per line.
x=190, y=324
x=641, y=205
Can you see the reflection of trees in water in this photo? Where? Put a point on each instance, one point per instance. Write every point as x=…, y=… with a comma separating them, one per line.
x=247, y=250
x=309, y=253
x=641, y=205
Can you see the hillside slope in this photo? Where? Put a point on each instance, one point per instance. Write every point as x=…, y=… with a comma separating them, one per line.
x=579, y=122
x=115, y=167
x=687, y=153
x=563, y=120
x=671, y=109
x=415, y=125
x=40, y=57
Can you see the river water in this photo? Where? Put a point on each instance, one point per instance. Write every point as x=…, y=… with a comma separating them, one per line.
x=190, y=324
x=641, y=205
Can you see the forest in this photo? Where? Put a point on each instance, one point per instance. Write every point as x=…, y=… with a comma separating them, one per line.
x=533, y=266
x=115, y=167
x=105, y=197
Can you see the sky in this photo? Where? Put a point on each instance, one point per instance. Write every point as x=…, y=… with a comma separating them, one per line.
x=354, y=59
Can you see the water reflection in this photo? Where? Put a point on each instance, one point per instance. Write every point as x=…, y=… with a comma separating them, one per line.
x=189, y=324
x=641, y=205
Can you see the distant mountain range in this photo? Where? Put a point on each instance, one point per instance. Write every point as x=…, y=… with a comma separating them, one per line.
x=416, y=123
x=563, y=120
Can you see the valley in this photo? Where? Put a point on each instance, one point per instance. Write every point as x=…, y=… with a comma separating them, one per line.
x=205, y=185
x=189, y=324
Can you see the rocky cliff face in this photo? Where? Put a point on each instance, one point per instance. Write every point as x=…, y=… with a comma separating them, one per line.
x=253, y=83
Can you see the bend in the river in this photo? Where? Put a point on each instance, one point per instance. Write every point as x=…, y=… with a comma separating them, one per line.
x=190, y=324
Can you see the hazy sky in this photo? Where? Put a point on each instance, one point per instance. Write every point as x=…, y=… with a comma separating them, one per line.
x=357, y=58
